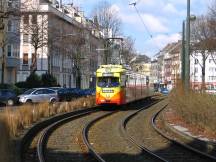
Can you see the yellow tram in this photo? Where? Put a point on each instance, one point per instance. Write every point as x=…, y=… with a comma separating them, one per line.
x=117, y=85
x=111, y=84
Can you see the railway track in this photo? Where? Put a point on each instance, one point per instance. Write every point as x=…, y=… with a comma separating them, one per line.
x=41, y=133
x=123, y=135
x=41, y=145
x=153, y=141
x=106, y=142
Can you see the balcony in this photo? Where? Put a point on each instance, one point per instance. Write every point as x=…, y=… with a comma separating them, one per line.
x=12, y=62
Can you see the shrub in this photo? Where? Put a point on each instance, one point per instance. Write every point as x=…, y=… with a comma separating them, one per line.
x=21, y=84
x=48, y=80
x=16, y=89
x=33, y=81
x=196, y=108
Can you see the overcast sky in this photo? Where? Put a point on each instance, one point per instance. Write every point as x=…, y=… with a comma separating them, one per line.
x=163, y=19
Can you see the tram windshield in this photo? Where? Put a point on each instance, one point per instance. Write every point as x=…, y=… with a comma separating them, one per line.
x=108, y=82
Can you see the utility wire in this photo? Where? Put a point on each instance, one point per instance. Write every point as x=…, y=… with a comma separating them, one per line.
x=143, y=22
x=148, y=31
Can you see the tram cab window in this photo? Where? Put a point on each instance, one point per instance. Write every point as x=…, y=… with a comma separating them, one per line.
x=108, y=82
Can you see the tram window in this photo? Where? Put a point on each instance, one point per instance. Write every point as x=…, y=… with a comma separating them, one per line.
x=123, y=80
x=108, y=82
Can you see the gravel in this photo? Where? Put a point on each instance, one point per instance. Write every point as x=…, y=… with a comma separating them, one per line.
x=141, y=130
x=107, y=140
x=66, y=144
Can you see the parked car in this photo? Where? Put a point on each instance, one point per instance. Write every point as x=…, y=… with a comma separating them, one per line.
x=37, y=95
x=8, y=97
x=68, y=94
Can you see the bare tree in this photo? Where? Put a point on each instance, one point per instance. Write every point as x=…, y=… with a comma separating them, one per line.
x=128, y=51
x=203, y=42
x=108, y=19
x=78, y=43
x=9, y=11
x=212, y=24
x=37, y=31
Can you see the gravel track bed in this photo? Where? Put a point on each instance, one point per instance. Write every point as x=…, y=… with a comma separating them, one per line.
x=106, y=139
x=66, y=144
x=141, y=130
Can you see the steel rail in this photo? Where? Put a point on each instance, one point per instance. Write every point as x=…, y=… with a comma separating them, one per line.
x=176, y=142
x=132, y=140
x=85, y=135
x=41, y=145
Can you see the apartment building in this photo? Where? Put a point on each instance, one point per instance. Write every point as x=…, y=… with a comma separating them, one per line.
x=196, y=71
x=166, y=65
x=156, y=68
x=60, y=41
x=142, y=65
x=172, y=63
x=9, y=41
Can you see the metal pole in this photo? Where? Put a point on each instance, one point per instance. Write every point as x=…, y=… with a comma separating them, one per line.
x=187, y=53
x=2, y=43
x=183, y=54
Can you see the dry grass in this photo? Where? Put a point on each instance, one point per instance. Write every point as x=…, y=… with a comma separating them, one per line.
x=12, y=122
x=195, y=108
x=5, y=141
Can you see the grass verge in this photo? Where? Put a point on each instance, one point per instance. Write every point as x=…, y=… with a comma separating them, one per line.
x=12, y=122
x=195, y=108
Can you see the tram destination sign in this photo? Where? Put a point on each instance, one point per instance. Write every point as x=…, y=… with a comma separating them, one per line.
x=108, y=74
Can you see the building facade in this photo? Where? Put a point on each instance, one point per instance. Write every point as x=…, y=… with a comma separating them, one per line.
x=166, y=65
x=58, y=39
x=196, y=71
x=9, y=41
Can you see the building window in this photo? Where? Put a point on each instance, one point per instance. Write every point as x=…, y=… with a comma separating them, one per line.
x=211, y=60
x=16, y=51
x=10, y=26
x=25, y=38
x=26, y=19
x=25, y=58
x=212, y=78
x=9, y=50
x=10, y=3
x=34, y=19
x=196, y=61
x=196, y=70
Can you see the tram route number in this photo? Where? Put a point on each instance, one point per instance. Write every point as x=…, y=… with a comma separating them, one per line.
x=108, y=74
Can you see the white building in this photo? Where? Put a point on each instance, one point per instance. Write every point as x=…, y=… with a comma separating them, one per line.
x=196, y=71
x=9, y=41
x=68, y=43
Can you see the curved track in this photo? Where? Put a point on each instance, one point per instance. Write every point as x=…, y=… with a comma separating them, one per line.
x=200, y=153
x=41, y=146
x=86, y=140
x=103, y=157
x=134, y=130
x=176, y=151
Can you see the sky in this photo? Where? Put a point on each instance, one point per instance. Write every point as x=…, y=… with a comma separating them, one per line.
x=163, y=19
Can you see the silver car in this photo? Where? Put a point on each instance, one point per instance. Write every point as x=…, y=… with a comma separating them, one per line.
x=37, y=95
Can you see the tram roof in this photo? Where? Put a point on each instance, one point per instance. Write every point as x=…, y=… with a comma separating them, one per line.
x=111, y=68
